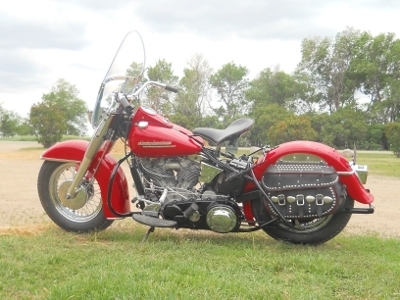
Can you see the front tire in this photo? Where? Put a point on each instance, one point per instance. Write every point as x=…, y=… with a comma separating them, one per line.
x=307, y=231
x=82, y=214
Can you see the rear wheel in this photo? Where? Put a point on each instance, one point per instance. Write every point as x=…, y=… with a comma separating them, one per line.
x=84, y=213
x=304, y=231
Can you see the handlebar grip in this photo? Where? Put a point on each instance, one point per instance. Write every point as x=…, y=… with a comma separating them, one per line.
x=171, y=89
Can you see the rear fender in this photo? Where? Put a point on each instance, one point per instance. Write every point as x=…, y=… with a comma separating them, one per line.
x=347, y=175
x=73, y=151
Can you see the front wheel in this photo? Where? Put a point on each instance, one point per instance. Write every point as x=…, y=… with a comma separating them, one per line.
x=304, y=231
x=83, y=213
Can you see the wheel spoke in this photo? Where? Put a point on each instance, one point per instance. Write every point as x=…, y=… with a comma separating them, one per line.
x=93, y=204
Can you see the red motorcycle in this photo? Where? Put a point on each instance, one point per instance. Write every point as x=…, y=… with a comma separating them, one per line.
x=301, y=192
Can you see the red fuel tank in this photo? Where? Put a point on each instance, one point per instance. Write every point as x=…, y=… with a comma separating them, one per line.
x=153, y=136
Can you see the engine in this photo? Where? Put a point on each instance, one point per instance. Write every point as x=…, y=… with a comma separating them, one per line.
x=176, y=172
x=215, y=209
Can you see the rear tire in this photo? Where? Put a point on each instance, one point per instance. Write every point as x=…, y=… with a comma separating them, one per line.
x=306, y=231
x=81, y=214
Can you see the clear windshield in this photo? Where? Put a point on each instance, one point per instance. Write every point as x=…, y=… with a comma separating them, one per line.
x=124, y=73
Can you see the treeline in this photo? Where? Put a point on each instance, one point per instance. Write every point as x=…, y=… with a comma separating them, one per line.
x=344, y=91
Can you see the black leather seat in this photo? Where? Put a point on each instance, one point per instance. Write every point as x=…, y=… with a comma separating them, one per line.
x=230, y=133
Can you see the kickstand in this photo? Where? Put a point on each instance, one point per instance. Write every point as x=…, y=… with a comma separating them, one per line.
x=151, y=229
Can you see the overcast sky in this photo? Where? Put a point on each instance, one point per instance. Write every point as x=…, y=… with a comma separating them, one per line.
x=44, y=40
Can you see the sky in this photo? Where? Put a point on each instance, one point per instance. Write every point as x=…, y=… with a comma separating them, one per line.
x=42, y=41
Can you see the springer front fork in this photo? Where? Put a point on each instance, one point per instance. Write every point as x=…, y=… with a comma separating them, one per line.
x=89, y=155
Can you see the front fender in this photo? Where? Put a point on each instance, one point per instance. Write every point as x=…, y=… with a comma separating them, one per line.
x=73, y=151
x=347, y=175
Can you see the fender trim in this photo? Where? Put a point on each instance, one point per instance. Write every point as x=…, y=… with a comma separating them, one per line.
x=73, y=151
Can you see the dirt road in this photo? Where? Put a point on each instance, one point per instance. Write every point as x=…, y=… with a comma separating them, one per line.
x=19, y=203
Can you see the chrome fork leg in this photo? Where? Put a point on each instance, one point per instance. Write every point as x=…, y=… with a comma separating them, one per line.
x=88, y=157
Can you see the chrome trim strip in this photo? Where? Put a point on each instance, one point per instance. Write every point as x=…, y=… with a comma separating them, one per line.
x=172, y=146
x=346, y=173
x=60, y=160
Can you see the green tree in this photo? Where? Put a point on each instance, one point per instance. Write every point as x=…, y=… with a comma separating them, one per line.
x=189, y=107
x=344, y=128
x=230, y=82
x=377, y=66
x=135, y=69
x=274, y=87
x=25, y=128
x=326, y=63
x=48, y=122
x=265, y=117
x=9, y=122
x=392, y=131
x=291, y=129
x=60, y=112
x=376, y=138
x=157, y=98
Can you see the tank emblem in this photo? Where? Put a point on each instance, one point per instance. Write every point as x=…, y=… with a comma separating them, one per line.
x=156, y=144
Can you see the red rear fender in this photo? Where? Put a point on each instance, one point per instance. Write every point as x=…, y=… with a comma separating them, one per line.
x=333, y=158
x=73, y=151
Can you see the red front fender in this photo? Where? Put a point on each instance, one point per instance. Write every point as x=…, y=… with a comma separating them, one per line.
x=74, y=151
x=347, y=175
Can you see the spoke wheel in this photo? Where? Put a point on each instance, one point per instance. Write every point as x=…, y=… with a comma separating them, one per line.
x=306, y=226
x=303, y=231
x=83, y=213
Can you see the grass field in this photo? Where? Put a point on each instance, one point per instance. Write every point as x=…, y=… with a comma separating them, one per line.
x=47, y=263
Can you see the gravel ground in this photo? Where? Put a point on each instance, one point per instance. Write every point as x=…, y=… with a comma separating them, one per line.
x=20, y=205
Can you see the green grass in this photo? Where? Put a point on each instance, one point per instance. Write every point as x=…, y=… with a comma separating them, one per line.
x=20, y=138
x=380, y=164
x=184, y=264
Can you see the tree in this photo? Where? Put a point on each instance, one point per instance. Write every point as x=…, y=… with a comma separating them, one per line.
x=291, y=129
x=25, y=128
x=189, y=107
x=377, y=64
x=327, y=65
x=60, y=112
x=376, y=138
x=265, y=117
x=48, y=122
x=344, y=128
x=9, y=122
x=392, y=131
x=273, y=87
x=230, y=83
x=157, y=98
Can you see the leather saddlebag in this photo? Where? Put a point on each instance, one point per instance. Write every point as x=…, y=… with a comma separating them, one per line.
x=303, y=189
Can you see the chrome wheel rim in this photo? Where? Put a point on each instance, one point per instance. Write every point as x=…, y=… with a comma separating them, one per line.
x=306, y=226
x=89, y=202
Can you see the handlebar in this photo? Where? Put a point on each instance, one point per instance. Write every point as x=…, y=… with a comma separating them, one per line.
x=122, y=98
x=156, y=83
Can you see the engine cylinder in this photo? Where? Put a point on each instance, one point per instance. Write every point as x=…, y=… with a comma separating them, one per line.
x=222, y=218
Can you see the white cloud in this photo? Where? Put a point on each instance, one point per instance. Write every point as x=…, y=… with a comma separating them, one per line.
x=76, y=39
